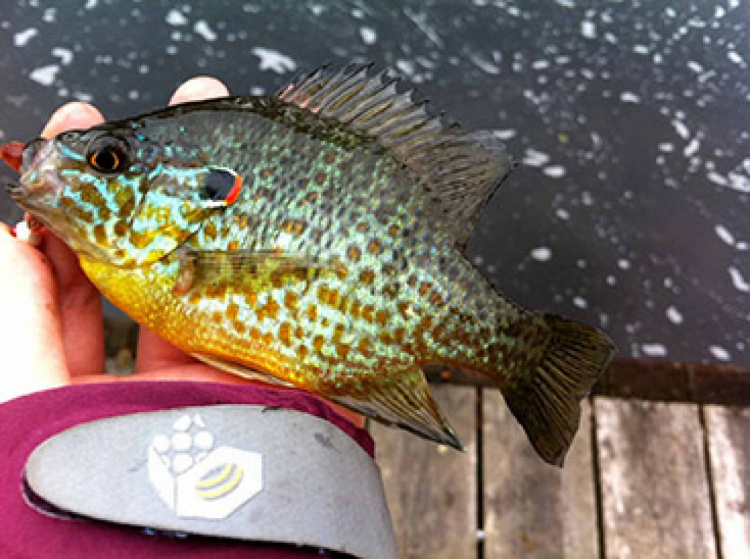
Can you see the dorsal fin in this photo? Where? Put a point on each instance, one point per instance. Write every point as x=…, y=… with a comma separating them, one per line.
x=458, y=171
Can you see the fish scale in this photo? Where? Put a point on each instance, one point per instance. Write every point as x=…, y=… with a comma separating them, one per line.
x=337, y=266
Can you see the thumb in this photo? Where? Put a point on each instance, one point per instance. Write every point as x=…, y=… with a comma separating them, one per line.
x=30, y=333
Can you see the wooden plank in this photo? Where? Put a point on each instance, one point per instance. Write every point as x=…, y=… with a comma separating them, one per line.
x=431, y=489
x=650, y=379
x=729, y=449
x=655, y=492
x=532, y=509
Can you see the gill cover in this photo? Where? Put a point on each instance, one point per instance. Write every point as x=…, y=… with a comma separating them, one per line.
x=176, y=203
x=131, y=200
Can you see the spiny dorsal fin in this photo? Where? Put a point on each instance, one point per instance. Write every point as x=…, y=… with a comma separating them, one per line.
x=458, y=171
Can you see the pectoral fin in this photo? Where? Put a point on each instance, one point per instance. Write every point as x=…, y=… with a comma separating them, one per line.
x=242, y=268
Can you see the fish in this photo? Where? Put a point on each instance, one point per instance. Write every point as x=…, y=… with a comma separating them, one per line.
x=314, y=239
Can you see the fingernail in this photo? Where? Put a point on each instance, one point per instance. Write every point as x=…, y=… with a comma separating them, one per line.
x=199, y=89
x=74, y=114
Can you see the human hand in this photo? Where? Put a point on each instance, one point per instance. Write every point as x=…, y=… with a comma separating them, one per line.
x=51, y=328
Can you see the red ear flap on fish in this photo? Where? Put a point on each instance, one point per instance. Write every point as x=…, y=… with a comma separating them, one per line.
x=222, y=186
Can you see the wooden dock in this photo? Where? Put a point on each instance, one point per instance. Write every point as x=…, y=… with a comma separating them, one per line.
x=643, y=480
x=660, y=469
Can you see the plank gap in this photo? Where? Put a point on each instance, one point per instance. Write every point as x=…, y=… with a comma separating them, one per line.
x=479, y=419
x=596, y=470
x=710, y=480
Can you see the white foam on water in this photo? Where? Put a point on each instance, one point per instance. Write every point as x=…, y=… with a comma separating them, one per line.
x=541, y=254
x=674, y=316
x=738, y=181
x=630, y=97
x=45, y=75
x=739, y=282
x=406, y=67
x=420, y=20
x=692, y=148
x=717, y=178
x=65, y=55
x=368, y=34
x=506, y=134
x=176, y=17
x=273, y=60
x=535, y=158
x=682, y=130
x=725, y=234
x=554, y=171
x=204, y=30
x=735, y=57
x=588, y=29
x=654, y=350
x=487, y=66
x=719, y=353
x=22, y=37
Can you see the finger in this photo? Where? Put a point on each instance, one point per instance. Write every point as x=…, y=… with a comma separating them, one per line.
x=79, y=301
x=80, y=306
x=72, y=116
x=33, y=356
x=154, y=353
x=199, y=89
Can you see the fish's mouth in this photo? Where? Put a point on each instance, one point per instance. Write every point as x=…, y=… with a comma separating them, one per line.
x=36, y=163
x=15, y=189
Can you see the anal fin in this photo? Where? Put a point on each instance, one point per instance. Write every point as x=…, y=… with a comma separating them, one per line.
x=405, y=402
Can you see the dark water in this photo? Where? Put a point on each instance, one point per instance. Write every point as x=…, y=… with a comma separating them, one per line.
x=632, y=120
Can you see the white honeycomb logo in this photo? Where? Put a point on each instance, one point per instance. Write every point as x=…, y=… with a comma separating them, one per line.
x=195, y=479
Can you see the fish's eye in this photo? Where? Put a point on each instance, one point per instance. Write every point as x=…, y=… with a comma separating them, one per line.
x=107, y=155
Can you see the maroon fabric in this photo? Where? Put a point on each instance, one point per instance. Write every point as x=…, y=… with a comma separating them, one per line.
x=28, y=421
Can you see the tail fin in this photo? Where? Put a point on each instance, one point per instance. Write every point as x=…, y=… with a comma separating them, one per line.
x=546, y=401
